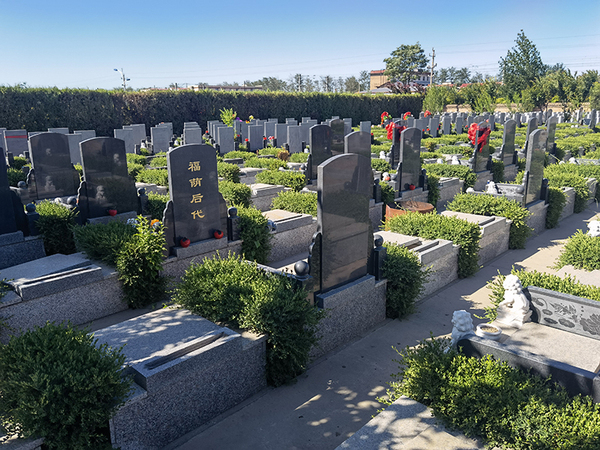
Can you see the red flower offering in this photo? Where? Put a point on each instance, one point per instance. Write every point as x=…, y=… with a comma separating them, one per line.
x=218, y=234
x=112, y=212
x=184, y=242
x=411, y=187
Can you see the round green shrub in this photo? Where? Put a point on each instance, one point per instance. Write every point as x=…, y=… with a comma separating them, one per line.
x=582, y=192
x=299, y=157
x=293, y=180
x=255, y=235
x=405, y=280
x=132, y=158
x=55, y=224
x=158, y=161
x=488, y=205
x=157, y=204
x=433, y=188
x=160, y=177
x=19, y=162
x=448, y=170
x=297, y=202
x=556, y=203
x=238, y=154
x=134, y=169
x=103, y=241
x=230, y=172
x=497, y=171
x=380, y=165
x=388, y=195
x=59, y=383
x=581, y=251
x=235, y=193
x=14, y=176
x=265, y=163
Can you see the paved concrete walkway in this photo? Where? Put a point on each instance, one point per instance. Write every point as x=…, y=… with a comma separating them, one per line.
x=338, y=394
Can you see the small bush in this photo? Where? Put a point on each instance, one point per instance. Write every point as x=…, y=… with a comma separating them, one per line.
x=265, y=163
x=447, y=170
x=269, y=151
x=255, y=235
x=158, y=161
x=55, y=224
x=488, y=205
x=406, y=278
x=293, y=180
x=497, y=171
x=430, y=155
x=238, y=154
x=233, y=291
x=159, y=177
x=584, y=170
x=132, y=158
x=57, y=382
x=582, y=251
x=556, y=203
x=230, y=172
x=380, y=165
x=297, y=202
x=235, y=193
x=431, y=226
x=388, y=195
x=14, y=176
x=19, y=162
x=582, y=192
x=103, y=241
x=139, y=264
x=433, y=188
x=299, y=157
x=157, y=204
x=566, y=285
x=134, y=169
x=456, y=150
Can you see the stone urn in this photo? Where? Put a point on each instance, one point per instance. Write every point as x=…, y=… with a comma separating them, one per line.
x=488, y=331
x=404, y=206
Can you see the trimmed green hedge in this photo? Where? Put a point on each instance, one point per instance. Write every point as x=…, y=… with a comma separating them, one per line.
x=159, y=177
x=561, y=179
x=103, y=111
x=448, y=170
x=265, y=163
x=585, y=171
x=297, y=202
x=55, y=224
x=294, y=180
x=556, y=203
x=433, y=188
x=431, y=226
x=299, y=157
x=582, y=251
x=255, y=235
x=230, y=172
x=157, y=204
x=381, y=165
x=488, y=205
x=235, y=193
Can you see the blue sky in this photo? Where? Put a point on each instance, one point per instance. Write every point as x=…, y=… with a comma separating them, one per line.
x=68, y=43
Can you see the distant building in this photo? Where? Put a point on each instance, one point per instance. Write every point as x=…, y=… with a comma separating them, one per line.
x=197, y=87
x=378, y=78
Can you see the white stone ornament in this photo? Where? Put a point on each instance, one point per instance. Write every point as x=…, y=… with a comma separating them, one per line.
x=514, y=309
x=382, y=155
x=455, y=161
x=441, y=161
x=492, y=188
x=463, y=325
x=594, y=228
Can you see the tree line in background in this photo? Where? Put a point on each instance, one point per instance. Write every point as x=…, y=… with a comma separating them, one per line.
x=308, y=83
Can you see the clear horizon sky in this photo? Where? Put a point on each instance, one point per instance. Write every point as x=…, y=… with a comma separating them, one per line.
x=65, y=43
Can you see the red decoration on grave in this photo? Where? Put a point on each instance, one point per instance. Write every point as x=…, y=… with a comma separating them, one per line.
x=184, y=242
x=427, y=114
x=411, y=187
x=112, y=212
x=483, y=138
x=218, y=234
x=406, y=115
x=390, y=129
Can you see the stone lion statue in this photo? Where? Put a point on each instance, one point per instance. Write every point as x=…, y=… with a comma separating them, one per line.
x=455, y=161
x=492, y=188
x=514, y=309
x=463, y=325
x=594, y=228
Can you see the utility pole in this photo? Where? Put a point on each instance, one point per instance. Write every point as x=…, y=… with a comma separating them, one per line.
x=433, y=66
x=125, y=80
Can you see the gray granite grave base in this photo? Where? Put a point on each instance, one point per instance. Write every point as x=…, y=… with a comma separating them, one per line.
x=449, y=187
x=537, y=220
x=192, y=385
x=418, y=195
x=16, y=249
x=175, y=267
x=293, y=235
x=154, y=188
x=200, y=248
x=495, y=233
x=263, y=195
x=248, y=175
x=510, y=172
x=440, y=256
x=351, y=310
x=570, y=203
x=482, y=180
x=583, y=276
x=376, y=214
x=592, y=183
x=122, y=217
x=21, y=444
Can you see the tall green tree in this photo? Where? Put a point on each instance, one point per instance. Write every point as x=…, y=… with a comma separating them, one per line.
x=364, y=80
x=521, y=66
x=404, y=62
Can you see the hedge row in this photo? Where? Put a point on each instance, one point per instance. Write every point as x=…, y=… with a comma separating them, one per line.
x=81, y=109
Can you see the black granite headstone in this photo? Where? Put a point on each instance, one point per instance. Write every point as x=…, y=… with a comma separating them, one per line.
x=54, y=174
x=7, y=216
x=344, y=190
x=337, y=137
x=194, y=192
x=536, y=154
x=410, y=157
x=320, y=146
x=395, y=152
x=108, y=185
x=358, y=142
x=531, y=127
x=551, y=126
x=481, y=153
x=508, y=141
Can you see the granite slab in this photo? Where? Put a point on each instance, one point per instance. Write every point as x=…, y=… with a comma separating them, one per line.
x=44, y=266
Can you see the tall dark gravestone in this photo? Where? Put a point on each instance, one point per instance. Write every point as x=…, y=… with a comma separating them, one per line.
x=15, y=141
x=53, y=175
x=8, y=223
x=344, y=238
x=337, y=136
x=395, y=152
x=320, y=147
x=508, y=141
x=358, y=142
x=534, y=167
x=551, y=126
x=481, y=153
x=531, y=127
x=107, y=184
x=410, y=158
x=198, y=207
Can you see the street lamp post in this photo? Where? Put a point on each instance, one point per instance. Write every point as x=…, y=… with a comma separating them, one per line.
x=125, y=80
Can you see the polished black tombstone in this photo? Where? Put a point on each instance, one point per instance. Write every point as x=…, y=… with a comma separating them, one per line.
x=508, y=141
x=320, y=146
x=7, y=217
x=410, y=159
x=395, y=152
x=107, y=184
x=358, y=142
x=551, y=126
x=531, y=127
x=53, y=174
x=481, y=153
x=199, y=210
x=534, y=167
x=337, y=136
x=344, y=238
